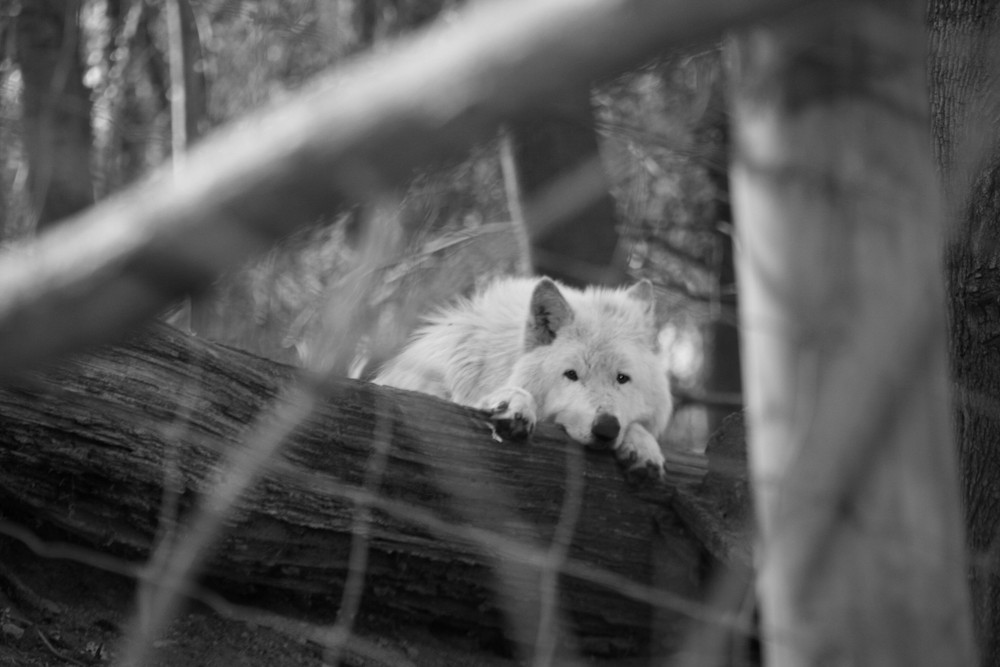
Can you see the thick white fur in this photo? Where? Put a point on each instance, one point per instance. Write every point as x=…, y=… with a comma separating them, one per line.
x=508, y=349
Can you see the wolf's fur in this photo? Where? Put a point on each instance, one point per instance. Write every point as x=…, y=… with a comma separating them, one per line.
x=511, y=348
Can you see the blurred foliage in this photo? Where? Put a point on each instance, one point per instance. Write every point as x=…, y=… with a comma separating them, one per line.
x=658, y=165
x=258, y=51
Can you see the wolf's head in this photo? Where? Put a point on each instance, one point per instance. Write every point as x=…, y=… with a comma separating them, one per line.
x=591, y=361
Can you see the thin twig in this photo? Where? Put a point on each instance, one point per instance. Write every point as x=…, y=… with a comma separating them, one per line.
x=178, y=84
x=357, y=564
x=165, y=541
x=548, y=629
x=56, y=652
x=289, y=627
x=244, y=466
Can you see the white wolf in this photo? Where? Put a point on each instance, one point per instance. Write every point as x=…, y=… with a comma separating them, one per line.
x=527, y=349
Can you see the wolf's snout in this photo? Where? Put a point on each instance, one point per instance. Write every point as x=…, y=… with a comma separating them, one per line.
x=605, y=429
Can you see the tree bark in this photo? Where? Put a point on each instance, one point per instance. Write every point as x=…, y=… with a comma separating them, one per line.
x=85, y=446
x=861, y=558
x=964, y=103
x=56, y=109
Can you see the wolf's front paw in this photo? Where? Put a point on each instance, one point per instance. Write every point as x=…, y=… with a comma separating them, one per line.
x=512, y=411
x=640, y=454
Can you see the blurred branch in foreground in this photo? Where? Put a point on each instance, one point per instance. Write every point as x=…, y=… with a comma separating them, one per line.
x=843, y=321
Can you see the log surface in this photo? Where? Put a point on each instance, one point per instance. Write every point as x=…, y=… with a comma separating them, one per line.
x=84, y=446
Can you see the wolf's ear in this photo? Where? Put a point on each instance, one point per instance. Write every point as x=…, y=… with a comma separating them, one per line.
x=643, y=292
x=549, y=312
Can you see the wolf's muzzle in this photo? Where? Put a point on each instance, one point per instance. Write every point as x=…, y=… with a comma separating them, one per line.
x=605, y=429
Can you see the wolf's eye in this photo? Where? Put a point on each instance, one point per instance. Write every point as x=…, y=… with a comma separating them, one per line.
x=571, y=375
x=622, y=378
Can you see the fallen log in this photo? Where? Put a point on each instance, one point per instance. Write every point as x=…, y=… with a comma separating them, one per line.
x=85, y=445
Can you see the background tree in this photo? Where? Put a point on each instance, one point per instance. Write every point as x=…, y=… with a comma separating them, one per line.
x=965, y=103
x=555, y=163
x=56, y=108
x=723, y=378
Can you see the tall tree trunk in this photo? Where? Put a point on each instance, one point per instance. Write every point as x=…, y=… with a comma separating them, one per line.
x=568, y=209
x=188, y=116
x=964, y=99
x=56, y=108
x=861, y=558
x=184, y=58
x=723, y=353
x=365, y=15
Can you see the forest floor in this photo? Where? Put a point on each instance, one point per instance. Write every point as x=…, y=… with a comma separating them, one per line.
x=57, y=613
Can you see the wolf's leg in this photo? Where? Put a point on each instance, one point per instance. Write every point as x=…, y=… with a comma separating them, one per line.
x=512, y=411
x=640, y=453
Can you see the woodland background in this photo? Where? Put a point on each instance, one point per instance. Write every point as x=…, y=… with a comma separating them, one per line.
x=626, y=179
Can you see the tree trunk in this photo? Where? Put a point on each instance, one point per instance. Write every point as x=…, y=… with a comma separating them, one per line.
x=188, y=116
x=187, y=56
x=84, y=448
x=722, y=376
x=861, y=558
x=56, y=109
x=556, y=162
x=964, y=104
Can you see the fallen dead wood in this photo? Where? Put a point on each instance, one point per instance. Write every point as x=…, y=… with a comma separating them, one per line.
x=85, y=444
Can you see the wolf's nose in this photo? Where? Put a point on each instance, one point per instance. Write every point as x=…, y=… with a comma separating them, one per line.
x=605, y=428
